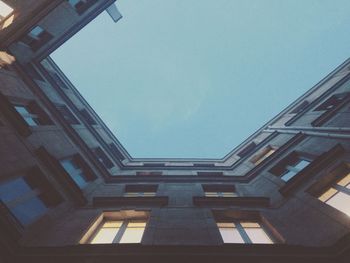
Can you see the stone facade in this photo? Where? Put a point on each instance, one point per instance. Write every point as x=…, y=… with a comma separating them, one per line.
x=181, y=219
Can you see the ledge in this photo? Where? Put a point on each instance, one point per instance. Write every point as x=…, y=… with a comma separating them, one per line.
x=130, y=253
x=101, y=201
x=231, y=201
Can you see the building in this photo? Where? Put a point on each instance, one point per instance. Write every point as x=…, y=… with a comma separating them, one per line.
x=70, y=192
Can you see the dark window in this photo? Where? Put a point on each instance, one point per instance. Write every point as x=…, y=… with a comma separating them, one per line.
x=332, y=102
x=31, y=71
x=81, y=6
x=32, y=114
x=29, y=197
x=116, y=152
x=203, y=165
x=88, y=117
x=290, y=166
x=36, y=38
x=6, y=15
x=78, y=170
x=247, y=150
x=58, y=80
x=67, y=115
x=300, y=107
x=153, y=164
x=103, y=158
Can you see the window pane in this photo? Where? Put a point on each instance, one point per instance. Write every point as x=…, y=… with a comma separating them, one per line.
x=113, y=224
x=105, y=236
x=36, y=31
x=30, y=121
x=29, y=210
x=328, y=194
x=287, y=176
x=230, y=235
x=250, y=225
x=5, y=10
x=13, y=189
x=22, y=110
x=302, y=164
x=345, y=181
x=341, y=202
x=258, y=236
x=133, y=234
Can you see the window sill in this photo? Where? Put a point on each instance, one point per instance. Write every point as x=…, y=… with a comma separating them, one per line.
x=231, y=201
x=156, y=201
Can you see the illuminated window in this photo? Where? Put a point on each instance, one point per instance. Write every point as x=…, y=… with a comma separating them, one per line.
x=266, y=152
x=119, y=231
x=290, y=166
x=6, y=15
x=142, y=190
x=28, y=197
x=218, y=190
x=220, y=194
x=338, y=196
x=244, y=232
x=32, y=114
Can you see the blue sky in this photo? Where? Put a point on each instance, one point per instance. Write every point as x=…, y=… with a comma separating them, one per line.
x=194, y=78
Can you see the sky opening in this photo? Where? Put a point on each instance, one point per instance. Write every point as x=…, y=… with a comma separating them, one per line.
x=194, y=78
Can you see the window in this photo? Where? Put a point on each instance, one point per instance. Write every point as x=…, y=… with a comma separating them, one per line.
x=88, y=117
x=28, y=197
x=81, y=6
x=36, y=38
x=332, y=102
x=219, y=190
x=300, y=107
x=67, y=114
x=247, y=150
x=290, y=166
x=338, y=195
x=58, y=80
x=103, y=158
x=145, y=190
x=248, y=232
x=77, y=170
x=119, y=231
x=266, y=152
x=32, y=114
x=116, y=151
x=33, y=72
x=6, y=15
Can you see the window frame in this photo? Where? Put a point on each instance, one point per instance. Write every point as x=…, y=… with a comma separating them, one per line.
x=242, y=230
x=121, y=230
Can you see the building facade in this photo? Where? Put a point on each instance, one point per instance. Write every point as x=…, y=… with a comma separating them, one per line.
x=70, y=192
